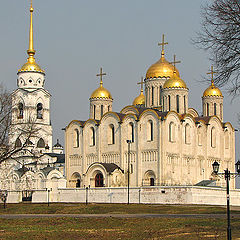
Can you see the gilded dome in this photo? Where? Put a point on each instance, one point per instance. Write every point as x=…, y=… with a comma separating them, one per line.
x=102, y=93
x=175, y=82
x=212, y=91
x=30, y=66
x=139, y=100
x=162, y=68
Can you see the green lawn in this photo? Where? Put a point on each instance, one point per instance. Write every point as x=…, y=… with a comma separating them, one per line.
x=115, y=228
x=109, y=208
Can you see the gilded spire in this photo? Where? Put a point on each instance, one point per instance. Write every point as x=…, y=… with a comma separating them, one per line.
x=31, y=65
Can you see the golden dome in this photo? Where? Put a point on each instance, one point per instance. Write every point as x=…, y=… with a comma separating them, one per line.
x=31, y=66
x=102, y=93
x=139, y=100
x=162, y=68
x=175, y=82
x=212, y=91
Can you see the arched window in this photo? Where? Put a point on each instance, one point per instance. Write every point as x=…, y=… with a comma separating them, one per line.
x=150, y=130
x=177, y=99
x=111, y=134
x=101, y=110
x=99, y=180
x=131, y=132
x=20, y=110
x=18, y=143
x=221, y=110
x=152, y=181
x=187, y=133
x=184, y=103
x=108, y=108
x=94, y=111
x=76, y=138
x=199, y=135
x=207, y=109
x=163, y=103
x=152, y=95
x=40, y=143
x=39, y=111
x=160, y=95
x=215, y=109
x=226, y=136
x=92, y=137
x=171, y=132
x=169, y=103
x=213, y=137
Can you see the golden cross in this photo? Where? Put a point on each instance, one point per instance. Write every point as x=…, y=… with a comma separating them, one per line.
x=163, y=43
x=142, y=82
x=175, y=62
x=212, y=73
x=101, y=74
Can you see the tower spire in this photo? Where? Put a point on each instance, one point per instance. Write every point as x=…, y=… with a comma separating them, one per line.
x=31, y=51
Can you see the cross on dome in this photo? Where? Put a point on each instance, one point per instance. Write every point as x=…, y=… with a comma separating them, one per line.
x=212, y=75
x=101, y=74
x=175, y=62
x=163, y=43
x=141, y=83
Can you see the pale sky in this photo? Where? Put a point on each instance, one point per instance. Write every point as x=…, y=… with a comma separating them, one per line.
x=74, y=38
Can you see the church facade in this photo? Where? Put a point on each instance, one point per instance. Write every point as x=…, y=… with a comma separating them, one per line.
x=157, y=141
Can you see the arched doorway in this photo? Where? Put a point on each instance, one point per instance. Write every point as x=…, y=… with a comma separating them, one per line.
x=75, y=181
x=99, y=180
x=152, y=181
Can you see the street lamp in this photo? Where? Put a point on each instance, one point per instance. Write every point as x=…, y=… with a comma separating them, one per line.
x=227, y=175
x=128, y=142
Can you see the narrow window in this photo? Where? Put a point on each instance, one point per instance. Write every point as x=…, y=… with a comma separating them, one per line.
x=171, y=132
x=150, y=130
x=221, y=111
x=131, y=132
x=76, y=138
x=169, y=103
x=39, y=111
x=163, y=103
x=111, y=137
x=20, y=110
x=187, y=134
x=101, y=110
x=213, y=137
x=108, y=108
x=160, y=95
x=207, y=109
x=199, y=131
x=94, y=111
x=152, y=95
x=184, y=103
x=92, y=132
x=215, y=109
x=177, y=99
x=152, y=181
x=226, y=139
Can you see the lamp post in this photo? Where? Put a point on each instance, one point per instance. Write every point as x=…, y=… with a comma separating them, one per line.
x=128, y=179
x=227, y=175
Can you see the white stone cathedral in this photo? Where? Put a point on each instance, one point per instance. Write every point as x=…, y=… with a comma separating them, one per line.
x=169, y=143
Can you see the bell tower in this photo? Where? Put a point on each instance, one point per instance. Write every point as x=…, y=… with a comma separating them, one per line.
x=31, y=103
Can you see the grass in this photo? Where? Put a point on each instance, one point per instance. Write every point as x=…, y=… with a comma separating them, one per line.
x=61, y=208
x=114, y=228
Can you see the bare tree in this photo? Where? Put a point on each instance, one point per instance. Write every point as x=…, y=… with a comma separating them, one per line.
x=8, y=149
x=220, y=35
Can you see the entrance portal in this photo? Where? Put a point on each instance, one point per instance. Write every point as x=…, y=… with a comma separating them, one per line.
x=99, y=180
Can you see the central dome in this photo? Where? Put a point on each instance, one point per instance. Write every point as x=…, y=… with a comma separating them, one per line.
x=175, y=82
x=162, y=68
x=101, y=93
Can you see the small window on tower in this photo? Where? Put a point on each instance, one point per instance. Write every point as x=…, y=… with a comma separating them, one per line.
x=39, y=111
x=20, y=110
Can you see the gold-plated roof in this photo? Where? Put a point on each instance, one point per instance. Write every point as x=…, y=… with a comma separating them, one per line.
x=212, y=91
x=31, y=65
x=139, y=100
x=162, y=68
x=175, y=82
x=101, y=92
